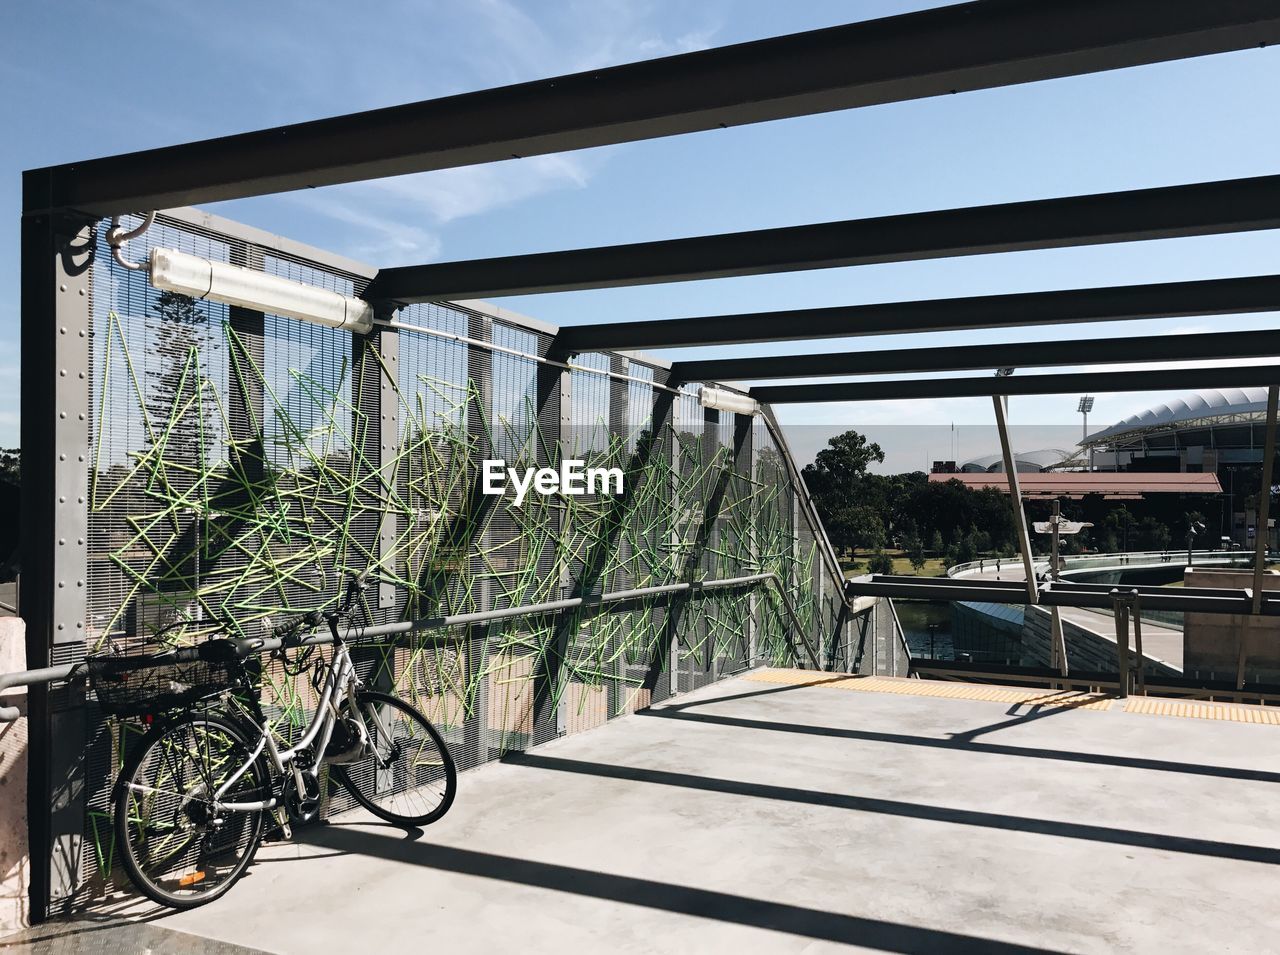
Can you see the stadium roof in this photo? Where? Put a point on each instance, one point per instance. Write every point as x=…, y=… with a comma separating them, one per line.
x=1027, y=460
x=1122, y=484
x=1197, y=406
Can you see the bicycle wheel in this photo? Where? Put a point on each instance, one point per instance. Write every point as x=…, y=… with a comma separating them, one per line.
x=409, y=779
x=177, y=850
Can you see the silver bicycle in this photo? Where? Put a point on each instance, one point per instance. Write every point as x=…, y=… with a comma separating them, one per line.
x=194, y=795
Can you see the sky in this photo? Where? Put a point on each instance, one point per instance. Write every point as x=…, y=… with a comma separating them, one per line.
x=135, y=74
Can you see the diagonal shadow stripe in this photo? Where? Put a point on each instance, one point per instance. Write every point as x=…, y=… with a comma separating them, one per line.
x=679, y=899
x=969, y=746
x=910, y=810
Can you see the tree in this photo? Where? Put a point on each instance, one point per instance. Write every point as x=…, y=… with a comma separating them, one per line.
x=10, y=465
x=837, y=482
x=880, y=563
x=1154, y=533
x=935, y=543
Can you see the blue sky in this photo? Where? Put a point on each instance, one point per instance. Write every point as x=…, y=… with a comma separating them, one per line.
x=141, y=73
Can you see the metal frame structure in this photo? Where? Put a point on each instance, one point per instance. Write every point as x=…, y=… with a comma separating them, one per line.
x=935, y=52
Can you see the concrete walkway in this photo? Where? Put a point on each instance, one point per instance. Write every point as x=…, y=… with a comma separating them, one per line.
x=753, y=817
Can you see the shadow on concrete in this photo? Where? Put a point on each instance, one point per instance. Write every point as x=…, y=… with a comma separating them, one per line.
x=1037, y=711
x=677, y=707
x=910, y=810
x=679, y=899
x=967, y=745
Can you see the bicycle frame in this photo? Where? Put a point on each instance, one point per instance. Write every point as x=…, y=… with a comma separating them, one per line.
x=340, y=684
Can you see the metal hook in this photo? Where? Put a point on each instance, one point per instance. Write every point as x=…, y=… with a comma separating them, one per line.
x=117, y=236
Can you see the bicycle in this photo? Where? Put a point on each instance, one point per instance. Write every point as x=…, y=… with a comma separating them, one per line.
x=191, y=800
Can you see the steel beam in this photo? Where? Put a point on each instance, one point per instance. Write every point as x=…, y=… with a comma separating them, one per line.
x=933, y=52
x=1204, y=208
x=1109, y=304
x=1103, y=382
x=1001, y=405
x=1208, y=347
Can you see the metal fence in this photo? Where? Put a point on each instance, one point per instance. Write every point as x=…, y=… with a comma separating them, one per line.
x=236, y=464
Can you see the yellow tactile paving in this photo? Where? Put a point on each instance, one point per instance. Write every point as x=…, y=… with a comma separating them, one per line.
x=954, y=691
x=1195, y=709
x=1150, y=705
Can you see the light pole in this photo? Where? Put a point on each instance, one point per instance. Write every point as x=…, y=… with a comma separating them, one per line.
x=1193, y=528
x=1084, y=407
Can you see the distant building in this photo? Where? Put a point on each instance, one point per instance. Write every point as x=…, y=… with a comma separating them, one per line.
x=1218, y=431
x=1046, y=459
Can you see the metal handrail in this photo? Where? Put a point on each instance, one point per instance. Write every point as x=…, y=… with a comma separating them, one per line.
x=53, y=674
x=1120, y=558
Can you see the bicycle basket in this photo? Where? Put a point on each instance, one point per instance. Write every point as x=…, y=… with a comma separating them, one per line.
x=138, y=684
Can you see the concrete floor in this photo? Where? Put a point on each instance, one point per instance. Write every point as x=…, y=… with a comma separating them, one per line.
x=760, y=818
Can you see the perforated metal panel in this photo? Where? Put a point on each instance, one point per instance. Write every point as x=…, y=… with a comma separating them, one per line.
x=239, y=463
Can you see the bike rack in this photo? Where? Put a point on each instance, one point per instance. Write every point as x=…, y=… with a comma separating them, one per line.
x=59, y=673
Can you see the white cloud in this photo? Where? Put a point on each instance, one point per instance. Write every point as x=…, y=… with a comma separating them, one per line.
x=401, y=220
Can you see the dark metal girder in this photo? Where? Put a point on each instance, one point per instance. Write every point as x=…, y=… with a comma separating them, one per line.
x=1207, y=347
x=1205, y=208
x=1115, y=303
x=1199, y=599
x=1103, y=382
x=952, y=48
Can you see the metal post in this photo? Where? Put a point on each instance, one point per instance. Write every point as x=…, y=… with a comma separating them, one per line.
x=1140, y=657
x=56, y=327
x=673, y=535
x=1059, y=642
x=753, y=539
x=479, y=408
x=387, y=342
x=1264, y=497
x=1015, y=497
x=1053, y=523
x=1120, y=607
x=1264, y=514
x=1058, y=645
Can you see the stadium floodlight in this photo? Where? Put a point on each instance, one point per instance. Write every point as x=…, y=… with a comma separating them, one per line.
x=232, y=285
x=1085, y=405
x=721, y=399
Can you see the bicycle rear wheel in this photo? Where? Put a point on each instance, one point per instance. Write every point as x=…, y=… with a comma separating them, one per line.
x=409, y=779
x=177, y=849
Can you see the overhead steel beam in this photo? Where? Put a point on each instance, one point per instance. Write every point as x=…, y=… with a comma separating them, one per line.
x=1208, y=347
x=1205, y=208
x=1165, y=300
x=1103, y=382
x=1114, y=303
x=946, y=50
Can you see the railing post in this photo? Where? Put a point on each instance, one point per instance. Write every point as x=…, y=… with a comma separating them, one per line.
x=1140, y=674
x=1264, y=514
x=1120, y=606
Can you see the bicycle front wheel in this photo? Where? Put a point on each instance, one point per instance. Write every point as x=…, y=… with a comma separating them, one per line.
x=408, y=778
x=177, y=848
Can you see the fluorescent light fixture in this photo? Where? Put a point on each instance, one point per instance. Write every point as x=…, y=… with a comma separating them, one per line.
x=722, y=399
x=233, y=285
